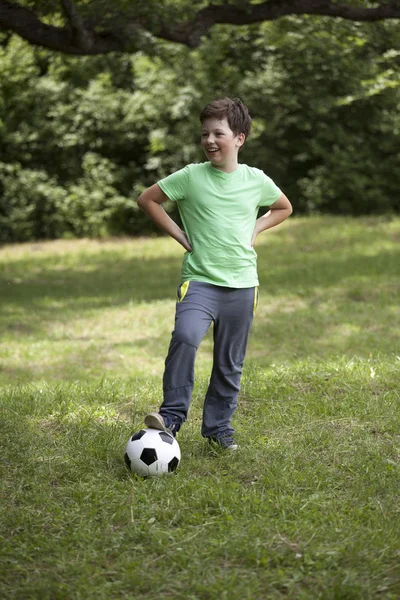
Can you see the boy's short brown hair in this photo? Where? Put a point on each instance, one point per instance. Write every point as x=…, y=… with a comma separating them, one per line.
x=233, y=110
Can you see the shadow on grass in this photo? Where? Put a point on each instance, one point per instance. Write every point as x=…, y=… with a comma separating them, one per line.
x=110, y=280
x=71, y=508
x=63, y=447
x=100, y=281
x=358, y=277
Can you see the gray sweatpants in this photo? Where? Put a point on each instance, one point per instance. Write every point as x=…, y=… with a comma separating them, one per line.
x=231, y=311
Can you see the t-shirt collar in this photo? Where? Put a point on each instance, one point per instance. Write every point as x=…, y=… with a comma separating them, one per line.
x=221, y=174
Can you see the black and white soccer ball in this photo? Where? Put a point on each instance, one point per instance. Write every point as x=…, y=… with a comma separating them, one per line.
x=152, y=452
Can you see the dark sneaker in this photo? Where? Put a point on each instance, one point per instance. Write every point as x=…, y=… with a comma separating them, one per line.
x=226, y=442
x=155, y=421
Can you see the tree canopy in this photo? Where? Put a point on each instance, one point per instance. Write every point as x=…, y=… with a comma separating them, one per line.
x=81, y=136
x=90, y=27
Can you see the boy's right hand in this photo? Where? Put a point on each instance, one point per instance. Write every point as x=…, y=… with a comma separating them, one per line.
x=184, y=241
x=150, y=201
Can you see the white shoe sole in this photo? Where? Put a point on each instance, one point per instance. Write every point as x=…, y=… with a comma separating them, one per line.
x=155, y=421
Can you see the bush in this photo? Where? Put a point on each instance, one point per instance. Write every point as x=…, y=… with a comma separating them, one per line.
x=34, y=206
x=29, y=205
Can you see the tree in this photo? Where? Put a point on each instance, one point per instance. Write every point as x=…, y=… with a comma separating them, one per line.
x=94, y=27
x=82, y=136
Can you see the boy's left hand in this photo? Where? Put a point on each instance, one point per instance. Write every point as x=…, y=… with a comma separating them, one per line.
x=279, y=211
x=254, y=236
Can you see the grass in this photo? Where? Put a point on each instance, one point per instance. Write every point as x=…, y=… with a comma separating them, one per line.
x=307, y=509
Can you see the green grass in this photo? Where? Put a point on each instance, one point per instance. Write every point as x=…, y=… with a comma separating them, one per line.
x=309, y=506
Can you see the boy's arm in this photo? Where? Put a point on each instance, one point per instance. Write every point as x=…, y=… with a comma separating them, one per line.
x=279, y=211
x=150, y=202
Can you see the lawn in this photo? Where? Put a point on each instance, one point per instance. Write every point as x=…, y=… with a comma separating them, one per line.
x=308, y=508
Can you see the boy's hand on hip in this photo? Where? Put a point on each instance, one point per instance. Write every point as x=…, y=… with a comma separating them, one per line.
x=256, y=231
x=184, y=241
x=280, y=210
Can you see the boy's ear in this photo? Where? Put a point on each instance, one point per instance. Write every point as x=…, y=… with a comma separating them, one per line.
x=241, y=139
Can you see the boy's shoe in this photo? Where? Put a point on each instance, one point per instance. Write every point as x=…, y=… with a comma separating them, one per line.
x=226, y=442
x=155, y=421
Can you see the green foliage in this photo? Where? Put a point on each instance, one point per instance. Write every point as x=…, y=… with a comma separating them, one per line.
x=81, y=137
x=333, y=126
x=31, y=205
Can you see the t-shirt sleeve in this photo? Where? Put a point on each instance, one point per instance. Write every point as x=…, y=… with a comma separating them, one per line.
x=270, y=191
x=175, y=185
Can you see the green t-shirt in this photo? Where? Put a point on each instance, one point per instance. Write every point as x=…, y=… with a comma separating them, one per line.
x=218, y=212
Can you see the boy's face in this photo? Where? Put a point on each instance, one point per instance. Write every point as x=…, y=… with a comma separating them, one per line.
x=220, y=144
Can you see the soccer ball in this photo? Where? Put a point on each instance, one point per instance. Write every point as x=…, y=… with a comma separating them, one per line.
x=152, y=452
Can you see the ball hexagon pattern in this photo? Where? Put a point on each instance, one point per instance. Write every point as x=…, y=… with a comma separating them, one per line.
x=152, y=452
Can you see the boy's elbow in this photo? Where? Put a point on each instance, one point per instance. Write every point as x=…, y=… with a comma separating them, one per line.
x=151, y=197
x=141, y=201
x=288, y=206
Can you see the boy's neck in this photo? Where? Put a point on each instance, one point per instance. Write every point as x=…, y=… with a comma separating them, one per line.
x=227, y=168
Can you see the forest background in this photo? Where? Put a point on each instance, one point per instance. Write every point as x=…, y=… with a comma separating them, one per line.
x=82, y=136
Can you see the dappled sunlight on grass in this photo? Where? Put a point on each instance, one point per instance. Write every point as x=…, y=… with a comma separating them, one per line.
x=83, y=309
x=145, y=247
x=308, y=505
x=313, y=489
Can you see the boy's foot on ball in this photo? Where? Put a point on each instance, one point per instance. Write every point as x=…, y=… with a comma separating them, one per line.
x=155, y=421
x=226, y=442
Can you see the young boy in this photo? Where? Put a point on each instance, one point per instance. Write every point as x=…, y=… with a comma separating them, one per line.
x=218, y=202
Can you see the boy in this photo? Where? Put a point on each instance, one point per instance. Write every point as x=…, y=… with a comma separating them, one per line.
x=218, y=202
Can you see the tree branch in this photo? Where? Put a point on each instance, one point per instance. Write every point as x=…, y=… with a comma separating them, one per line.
x=191, y=33
x=25, y=23
x=79, y=37
x=84, y=38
